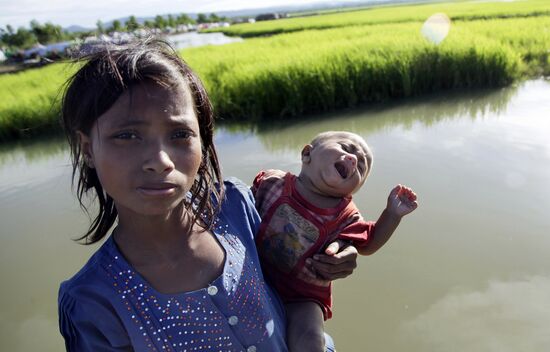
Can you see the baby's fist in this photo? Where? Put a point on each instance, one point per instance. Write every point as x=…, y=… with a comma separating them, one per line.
x=402, y=201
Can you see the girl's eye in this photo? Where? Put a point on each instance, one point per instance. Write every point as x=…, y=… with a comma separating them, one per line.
x=181, y=134
x=126, y=135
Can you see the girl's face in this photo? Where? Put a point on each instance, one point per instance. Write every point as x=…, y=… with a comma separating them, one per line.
x=146, y=149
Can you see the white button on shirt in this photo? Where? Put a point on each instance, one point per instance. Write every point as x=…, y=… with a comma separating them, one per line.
x=212, y=290
x=251, y=349
x=233, y=320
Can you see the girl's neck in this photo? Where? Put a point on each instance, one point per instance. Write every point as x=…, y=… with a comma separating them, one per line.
x=312, y=194
x=163, y=250
x=154, y=237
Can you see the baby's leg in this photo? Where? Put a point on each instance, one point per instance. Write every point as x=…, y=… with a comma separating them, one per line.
x=305, y=330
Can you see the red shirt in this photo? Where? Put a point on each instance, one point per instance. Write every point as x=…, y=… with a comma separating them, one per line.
x=293, y=230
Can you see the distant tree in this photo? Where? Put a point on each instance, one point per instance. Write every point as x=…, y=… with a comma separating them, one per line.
x=184, y=19
x=160, y=22
x=116, y=26
x=214, y=18
x=47, y=33
x=100, y=27
x=21, y=39
x=171, y=22
x=149, y=24
x=132, y=24
x=201, y=18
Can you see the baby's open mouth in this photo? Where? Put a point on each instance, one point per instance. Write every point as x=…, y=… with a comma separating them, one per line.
x=342, y=169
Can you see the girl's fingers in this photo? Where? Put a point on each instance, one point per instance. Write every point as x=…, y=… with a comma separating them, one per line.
x=332, y=267
x=348, y=253
x=333, y=248
x=330, y=271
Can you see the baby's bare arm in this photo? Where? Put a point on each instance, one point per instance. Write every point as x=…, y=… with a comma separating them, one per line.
x=401, y=201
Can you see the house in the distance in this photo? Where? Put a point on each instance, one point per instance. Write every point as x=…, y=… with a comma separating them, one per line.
x=270, y=16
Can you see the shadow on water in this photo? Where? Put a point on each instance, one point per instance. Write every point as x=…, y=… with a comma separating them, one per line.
x=290, y=134
x=31, y=150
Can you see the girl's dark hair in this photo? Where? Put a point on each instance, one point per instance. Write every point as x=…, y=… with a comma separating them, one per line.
x=105, y=75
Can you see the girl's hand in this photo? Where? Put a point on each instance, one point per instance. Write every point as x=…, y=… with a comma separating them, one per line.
x=338, y=262
x=401, y=201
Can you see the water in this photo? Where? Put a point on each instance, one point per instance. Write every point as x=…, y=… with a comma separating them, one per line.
x=191, y=39
x=468, y=271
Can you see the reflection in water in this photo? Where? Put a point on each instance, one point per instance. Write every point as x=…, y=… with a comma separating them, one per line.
x=30, y=164
x=292, y=134
x=193, y=39
x=488, y=320
x=31, y=150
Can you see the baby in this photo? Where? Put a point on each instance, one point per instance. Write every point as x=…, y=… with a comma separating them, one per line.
x=302, y=214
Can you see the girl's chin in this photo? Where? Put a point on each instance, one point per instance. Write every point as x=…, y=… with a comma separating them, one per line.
x=154, y=209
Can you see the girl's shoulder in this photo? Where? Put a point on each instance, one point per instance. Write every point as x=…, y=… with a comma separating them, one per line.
x=235, y=185
x=92, y=276
x=87, y=308
x=238, y=208
x=236, y=191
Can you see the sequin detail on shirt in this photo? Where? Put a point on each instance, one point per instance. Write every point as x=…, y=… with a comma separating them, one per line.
x=228, y=315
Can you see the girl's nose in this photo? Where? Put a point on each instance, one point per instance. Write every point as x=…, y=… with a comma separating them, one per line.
x=159, y=162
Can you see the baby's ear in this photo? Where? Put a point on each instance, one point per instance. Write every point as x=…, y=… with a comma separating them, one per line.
x=306, y=153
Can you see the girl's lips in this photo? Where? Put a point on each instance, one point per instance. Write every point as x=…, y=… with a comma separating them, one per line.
x=158, y=189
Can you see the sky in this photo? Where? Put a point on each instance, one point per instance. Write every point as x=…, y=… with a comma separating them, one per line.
x=86, y=12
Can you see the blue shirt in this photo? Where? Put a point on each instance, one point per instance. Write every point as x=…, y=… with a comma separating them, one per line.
x=108, y=306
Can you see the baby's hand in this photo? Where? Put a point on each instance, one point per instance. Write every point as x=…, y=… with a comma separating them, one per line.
x=401, y=201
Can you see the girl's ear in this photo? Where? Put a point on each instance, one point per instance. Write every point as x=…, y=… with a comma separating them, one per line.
x=306, y=154
x=86, y=149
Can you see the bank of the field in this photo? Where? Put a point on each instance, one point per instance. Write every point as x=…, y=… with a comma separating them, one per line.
x=322, y=70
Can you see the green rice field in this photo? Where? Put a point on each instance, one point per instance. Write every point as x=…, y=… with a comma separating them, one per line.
x=332, y=61
x=457, y=11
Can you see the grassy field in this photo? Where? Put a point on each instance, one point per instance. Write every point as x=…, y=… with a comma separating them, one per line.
x=29, y=101
x=315, y=71
x=375, y=56
x=464, y=11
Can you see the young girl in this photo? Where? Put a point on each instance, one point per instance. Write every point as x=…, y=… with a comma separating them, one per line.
x=180, y=271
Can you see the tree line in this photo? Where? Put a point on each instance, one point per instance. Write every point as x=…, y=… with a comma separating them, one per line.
x=48, y=33
x=38, y=33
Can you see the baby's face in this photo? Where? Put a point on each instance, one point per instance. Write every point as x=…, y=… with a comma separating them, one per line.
x=337, y=166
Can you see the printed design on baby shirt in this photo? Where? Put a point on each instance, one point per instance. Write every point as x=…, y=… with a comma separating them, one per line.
x=287, y=237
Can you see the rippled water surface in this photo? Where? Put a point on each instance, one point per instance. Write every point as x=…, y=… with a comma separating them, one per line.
x=468, y=271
